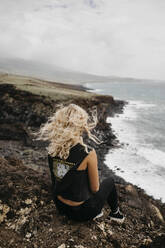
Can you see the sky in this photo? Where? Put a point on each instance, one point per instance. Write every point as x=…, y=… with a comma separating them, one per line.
x=123, y=38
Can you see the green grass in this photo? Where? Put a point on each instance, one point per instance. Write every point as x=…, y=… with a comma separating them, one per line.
x=53, y=90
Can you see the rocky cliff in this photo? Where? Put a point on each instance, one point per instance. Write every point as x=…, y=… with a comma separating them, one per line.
x=28, y=217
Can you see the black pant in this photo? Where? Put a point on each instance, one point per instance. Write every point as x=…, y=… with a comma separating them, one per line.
x=93, y=206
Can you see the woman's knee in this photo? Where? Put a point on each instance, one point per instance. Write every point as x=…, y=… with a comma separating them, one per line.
x=107, y=186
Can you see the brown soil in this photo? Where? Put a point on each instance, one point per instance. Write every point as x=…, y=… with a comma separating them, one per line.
x=29, y=218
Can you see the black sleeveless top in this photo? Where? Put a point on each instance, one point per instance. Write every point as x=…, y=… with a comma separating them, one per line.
x=67, y=181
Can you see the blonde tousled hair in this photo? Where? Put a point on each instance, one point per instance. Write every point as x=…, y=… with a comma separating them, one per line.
x=65, y=129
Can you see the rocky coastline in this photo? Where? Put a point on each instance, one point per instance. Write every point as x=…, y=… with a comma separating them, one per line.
x=28, y=217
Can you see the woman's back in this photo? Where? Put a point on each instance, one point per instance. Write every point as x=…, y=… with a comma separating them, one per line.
x=69, y=181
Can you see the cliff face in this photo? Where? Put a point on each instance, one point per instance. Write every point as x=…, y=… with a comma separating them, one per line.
x=22, y=112
x=28, y=217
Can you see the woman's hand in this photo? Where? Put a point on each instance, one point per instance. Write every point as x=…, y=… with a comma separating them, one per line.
x=93, y=171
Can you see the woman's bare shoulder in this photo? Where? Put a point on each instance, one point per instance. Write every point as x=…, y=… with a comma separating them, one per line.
x=92, y=154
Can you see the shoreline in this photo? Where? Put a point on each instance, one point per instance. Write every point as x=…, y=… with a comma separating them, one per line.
x=137, y=168
x=28, y=216
x=143, y=158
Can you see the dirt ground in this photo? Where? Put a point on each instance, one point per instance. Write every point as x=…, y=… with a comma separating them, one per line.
x=28, y=216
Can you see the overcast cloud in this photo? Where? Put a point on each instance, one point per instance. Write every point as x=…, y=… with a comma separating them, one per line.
x=105, y=37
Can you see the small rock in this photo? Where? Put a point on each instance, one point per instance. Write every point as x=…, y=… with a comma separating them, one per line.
x=152, y=223
x=11, y=241
x=28, y=235
x=24, y=211
x=28, y=201
x=156, y=211
x=62, y=246
x=131, y=190
x=79, y=246
x=35, y=232
x=94, y=237
x=103, y=240
x=101, y=226
x=10, y=185
x=71, y=240
x=135, y=203
x=147, y=241
x=4, y=209
x=21, y=221
x=110, y=232
x=27, y=151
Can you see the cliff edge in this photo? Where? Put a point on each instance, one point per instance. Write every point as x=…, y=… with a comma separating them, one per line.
x=28, y=217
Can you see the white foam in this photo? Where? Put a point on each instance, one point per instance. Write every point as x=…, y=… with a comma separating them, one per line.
x=97, y=90
x=136, y=169
x=154, y=156
x=137, y=162
x=122, y=126
x=141, y=104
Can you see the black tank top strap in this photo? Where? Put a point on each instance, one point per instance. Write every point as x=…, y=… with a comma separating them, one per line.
x=77, y=155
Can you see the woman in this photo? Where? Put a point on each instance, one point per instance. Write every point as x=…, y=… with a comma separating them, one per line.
x=77, y=192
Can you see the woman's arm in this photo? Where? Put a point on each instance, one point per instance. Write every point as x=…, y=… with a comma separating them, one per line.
x=93, y=171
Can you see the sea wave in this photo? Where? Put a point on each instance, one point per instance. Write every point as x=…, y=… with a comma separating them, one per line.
x=137, y=161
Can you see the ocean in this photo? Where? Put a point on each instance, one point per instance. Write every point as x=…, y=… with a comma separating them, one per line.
x=141, y=131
